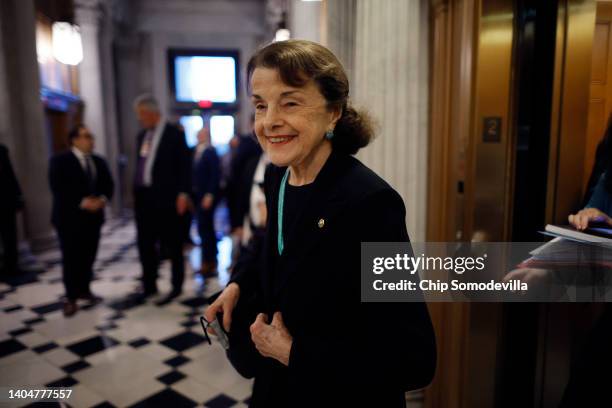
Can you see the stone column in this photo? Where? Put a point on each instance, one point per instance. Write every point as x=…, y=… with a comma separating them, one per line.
x=22, y=120
x=340, y=26
x=97, y=81
x=111, y=110
x=305, y=20
x=88, y=15
x=390, y=80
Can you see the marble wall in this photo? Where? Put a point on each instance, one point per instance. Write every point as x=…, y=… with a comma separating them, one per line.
x=305, y=20
x=21, y=118
x=384, y=46
x=97, y=81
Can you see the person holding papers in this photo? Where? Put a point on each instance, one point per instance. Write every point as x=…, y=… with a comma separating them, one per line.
x=599, y=207
x=589, y=376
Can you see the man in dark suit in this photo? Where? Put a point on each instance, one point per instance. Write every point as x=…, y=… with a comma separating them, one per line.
x=82, y=186
x=161, y=186
x=206, y=175
x=247, y=148
x=11, y=202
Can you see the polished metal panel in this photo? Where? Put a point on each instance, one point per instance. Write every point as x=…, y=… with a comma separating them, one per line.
x=572, y=76
x=488, y=182
x=491, y=140
x=576, y=24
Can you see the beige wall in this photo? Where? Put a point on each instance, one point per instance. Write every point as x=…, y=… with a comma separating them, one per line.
x=384, y=46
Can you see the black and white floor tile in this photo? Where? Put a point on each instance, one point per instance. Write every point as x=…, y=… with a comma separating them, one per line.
x=119, y=353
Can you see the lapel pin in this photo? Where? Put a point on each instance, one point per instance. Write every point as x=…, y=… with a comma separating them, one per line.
x=321, y=223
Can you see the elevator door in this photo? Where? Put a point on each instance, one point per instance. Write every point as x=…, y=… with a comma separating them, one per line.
x=600, y=98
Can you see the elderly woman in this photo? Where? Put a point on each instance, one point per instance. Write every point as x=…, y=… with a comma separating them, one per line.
x=295, y=321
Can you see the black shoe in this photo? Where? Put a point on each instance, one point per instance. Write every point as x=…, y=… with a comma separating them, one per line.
x=169, y=298
x=91, y=298
x=70, y=308
x=209, y=270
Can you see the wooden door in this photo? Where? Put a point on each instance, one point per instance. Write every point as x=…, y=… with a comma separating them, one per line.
x=600, y=100
x=59, y=122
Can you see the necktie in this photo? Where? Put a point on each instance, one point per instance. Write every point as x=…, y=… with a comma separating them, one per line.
x=89, y=174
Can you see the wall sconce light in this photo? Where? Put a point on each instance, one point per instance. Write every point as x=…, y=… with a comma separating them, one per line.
x=66, y=43
x=282, y=34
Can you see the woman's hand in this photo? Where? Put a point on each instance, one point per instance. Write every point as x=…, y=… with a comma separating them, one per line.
x=226, y=302
x=581, y=220
x=272, y=340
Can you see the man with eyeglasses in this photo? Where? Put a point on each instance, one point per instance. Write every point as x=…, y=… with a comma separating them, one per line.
x=82, y=186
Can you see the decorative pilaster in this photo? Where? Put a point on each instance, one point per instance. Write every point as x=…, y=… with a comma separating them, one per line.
x=391, y=81
x=305, y=20
x=22, y=126
x=341, y=30
x=97, y=82
x=88, y=15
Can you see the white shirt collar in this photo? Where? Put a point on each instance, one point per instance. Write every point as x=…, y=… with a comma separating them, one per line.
x=201, y=147
x=79, y=154
x=148, y=170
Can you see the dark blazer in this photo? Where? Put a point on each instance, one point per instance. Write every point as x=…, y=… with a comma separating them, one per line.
x=171, y=173
x=600, y=165
x=69, y=186
x=245, y=185
x=344, y=352
x=245, y=151
x=206, y=174
x=9, y=186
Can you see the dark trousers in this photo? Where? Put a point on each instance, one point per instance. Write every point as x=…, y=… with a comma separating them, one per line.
x=186, y=227
x=79, y=245
x=589, y=382
x=206, y=230
x=8, y=236
x=158, y=228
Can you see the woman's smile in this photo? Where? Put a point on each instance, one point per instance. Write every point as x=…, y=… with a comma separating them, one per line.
x=280, y=140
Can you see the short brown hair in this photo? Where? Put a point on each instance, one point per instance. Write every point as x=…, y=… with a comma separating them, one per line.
x=299, y=61
x=74, y=132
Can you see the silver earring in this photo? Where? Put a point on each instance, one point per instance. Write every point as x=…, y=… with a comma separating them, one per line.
x=329, y=134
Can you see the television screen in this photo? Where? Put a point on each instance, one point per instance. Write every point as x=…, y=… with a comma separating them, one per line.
x=205, y=78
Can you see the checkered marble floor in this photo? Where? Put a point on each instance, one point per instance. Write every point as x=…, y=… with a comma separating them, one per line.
x=117, y=353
